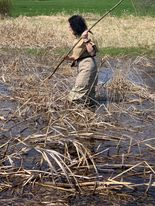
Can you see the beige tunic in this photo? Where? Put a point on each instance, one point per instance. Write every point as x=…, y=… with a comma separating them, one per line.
x=80, y=50
x=86, y=80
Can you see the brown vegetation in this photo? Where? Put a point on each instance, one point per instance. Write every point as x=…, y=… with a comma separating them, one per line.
x=44, y=32
x=52, y=150
x=49, y=144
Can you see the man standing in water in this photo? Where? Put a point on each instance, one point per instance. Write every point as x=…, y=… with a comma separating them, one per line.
x=83, y=57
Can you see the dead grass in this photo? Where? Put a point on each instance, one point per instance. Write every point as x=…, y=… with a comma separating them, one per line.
x=52, y=32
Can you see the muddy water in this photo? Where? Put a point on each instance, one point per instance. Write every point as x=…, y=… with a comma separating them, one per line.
x=138, y=130
x=136, y=134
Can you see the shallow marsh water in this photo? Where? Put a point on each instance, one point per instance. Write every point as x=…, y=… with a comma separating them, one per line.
x=127, y=140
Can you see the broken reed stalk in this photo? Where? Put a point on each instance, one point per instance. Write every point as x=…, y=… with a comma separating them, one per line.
x=67, y=170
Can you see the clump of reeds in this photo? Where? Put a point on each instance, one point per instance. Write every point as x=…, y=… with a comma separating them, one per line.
x=119, y=88
x=122, y=86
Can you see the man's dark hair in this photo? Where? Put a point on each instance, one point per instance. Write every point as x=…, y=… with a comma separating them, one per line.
x=77, y=24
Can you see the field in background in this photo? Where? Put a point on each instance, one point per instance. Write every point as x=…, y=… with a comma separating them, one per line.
x=49, y=7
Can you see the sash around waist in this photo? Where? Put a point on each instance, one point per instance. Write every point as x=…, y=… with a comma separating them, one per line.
x=80, y=59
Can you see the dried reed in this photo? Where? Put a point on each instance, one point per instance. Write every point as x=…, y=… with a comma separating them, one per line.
x=48, y=143
x=52, y=32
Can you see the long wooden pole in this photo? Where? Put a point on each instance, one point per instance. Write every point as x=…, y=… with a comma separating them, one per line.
x=53, y=72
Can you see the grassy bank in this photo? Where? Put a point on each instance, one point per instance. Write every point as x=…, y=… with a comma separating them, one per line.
x=49, y=7
x=109, y=51
x=130, y=52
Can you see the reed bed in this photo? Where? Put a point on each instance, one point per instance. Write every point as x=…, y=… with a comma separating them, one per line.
x=49, y=145
x=52, y=32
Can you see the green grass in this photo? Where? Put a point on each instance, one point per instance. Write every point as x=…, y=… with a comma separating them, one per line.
x=113, y=52
x=130, y=52
x=49, y=7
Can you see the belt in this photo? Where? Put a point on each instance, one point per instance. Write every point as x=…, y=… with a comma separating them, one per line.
x=79, y=59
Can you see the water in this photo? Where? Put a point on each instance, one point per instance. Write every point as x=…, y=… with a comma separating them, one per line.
x=135, y=135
